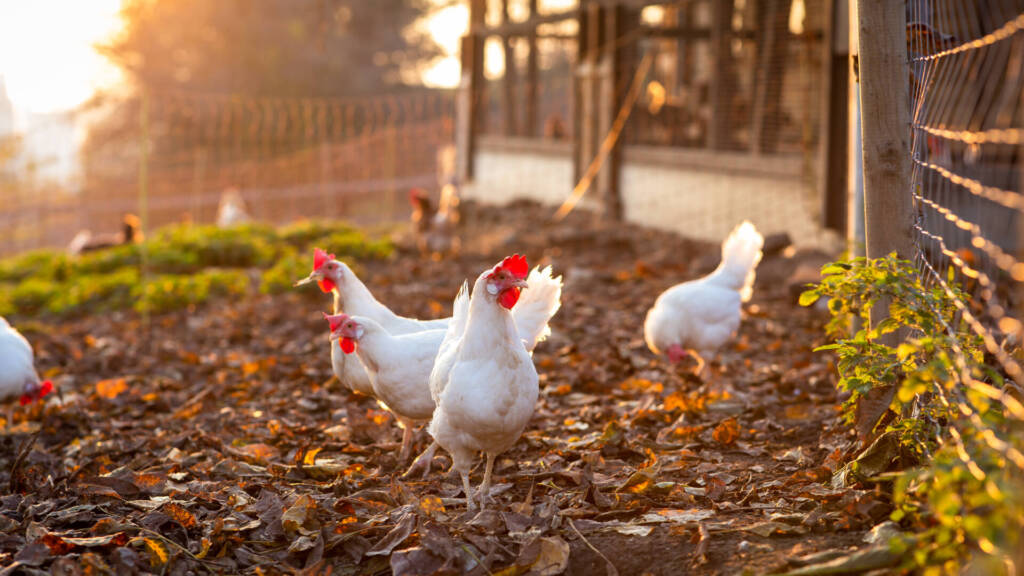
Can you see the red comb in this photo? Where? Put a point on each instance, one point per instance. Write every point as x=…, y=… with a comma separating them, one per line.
x=320, y=257
x=415, y=194
x=46, y=388
x=516, y=266
x=336, y=320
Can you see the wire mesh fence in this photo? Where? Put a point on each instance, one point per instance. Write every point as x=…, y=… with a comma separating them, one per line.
x=284, y=158
x=966, y=76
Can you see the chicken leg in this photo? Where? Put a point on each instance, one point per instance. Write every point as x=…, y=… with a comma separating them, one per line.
x=422, y=462
x=485, y=487
x=407, y=437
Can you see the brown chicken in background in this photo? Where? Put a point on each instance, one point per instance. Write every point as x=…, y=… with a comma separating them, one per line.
x=436, y=231
x=86, y=241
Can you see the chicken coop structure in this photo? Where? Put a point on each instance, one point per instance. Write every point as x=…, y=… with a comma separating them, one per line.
x=687, y=115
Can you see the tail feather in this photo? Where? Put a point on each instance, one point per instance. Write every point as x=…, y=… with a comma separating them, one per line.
x=741, y=253
x=536, y=306
x=460, y=314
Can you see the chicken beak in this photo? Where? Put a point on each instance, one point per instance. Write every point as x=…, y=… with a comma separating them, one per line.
x=521, y=284
x=335, y=336
x=314, y=276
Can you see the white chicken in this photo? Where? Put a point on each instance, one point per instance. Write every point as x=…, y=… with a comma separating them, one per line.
x=18, y=377
x=231, y=211
x=484, y=382
x=398, y=368
x=699, y=316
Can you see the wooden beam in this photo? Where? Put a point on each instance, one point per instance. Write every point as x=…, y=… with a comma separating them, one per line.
x=508, y=81
x=524, y=28
x=771, y=70
x=532, y=77
x=722, y=86
x=470, y=112
x=835, y=116
x=885, y=125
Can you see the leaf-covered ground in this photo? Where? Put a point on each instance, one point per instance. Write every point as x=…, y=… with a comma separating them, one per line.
x=216, y=440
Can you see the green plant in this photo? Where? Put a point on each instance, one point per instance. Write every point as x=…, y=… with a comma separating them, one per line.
x=186, y=265
x=961, y=493
x=171, y=292
x=307, y=233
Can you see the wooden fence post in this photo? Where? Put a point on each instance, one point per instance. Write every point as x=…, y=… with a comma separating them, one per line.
x=885, y=131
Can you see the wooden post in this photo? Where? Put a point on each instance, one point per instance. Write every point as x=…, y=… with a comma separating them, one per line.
x=721, y=91
x=532, y=77
x=834, y=148
x=469, y=109
x=885, y=129
x=888, y=206
x=508, y=103
x=588, y=97
x=619, y=22
x=773, y=38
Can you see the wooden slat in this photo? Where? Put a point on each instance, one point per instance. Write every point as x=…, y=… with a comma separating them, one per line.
x=508, y=81
x=721, y=90
x=532, y=77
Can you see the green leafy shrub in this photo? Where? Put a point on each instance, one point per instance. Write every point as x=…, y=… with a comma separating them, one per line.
x=309, y=233
x=45, y=264
x=171, y=292
x=32, y=295
x=92, y=293
x=962, y=496
x=289, y=268
x=354, y=245
x=248, y=245
x=187, y=265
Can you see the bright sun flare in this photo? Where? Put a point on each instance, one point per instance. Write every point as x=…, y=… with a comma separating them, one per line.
x=46, y=51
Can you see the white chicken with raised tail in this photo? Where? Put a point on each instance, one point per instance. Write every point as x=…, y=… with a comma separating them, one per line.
x=18, y=377
x=484, y=382
x=698, y=317
x=398, y=367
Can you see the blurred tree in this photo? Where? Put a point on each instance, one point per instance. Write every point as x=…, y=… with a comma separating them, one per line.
x=203, y=62
x=273, y=48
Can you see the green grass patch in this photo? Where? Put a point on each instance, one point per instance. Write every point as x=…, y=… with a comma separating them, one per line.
x=187, y=265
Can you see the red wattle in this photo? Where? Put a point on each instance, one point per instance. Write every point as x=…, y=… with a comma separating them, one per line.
x=509, y=297
x=25, y=399
x=348, y=345
x=46, y=388
x=326, y=285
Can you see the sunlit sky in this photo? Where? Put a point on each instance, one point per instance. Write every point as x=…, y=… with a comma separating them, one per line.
x=47, y=58
x=48, y=61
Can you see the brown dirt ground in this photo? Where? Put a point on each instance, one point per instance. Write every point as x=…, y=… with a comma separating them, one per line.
x=218, y=441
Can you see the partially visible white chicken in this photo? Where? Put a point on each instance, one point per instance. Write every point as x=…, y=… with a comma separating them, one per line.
x=18, y=377
x=484, y=382
x=231, y=211
x=398, y=367
x=699, y=316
